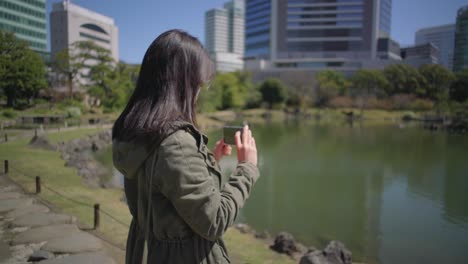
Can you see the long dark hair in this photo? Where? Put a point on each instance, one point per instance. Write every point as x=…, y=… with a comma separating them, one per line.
x=174, y=68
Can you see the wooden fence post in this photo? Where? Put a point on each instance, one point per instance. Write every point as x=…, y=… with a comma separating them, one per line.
x=6, y=137
x=96, y=216
x=38, y=184
x=6, y=167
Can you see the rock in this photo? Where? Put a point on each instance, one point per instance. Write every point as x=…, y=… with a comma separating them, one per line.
x=11, y=204
x=44, y=233
x=334, y=253
x=285, y=243
x=262, y=235
x=34, y=208
x=74, y=243
x=41, y=142
x=243, y=228
x=40, y=255
x=43, y=219
x=88, y=258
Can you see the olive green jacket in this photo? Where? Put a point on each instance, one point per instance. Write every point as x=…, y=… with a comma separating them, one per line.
x=192, y=204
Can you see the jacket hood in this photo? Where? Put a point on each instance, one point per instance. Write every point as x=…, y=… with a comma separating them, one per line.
x=129, y=156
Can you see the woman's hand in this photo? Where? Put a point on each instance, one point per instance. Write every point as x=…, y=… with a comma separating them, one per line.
x=221, y=149
x=246, y=148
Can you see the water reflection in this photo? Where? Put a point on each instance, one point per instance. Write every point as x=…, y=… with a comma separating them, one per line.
x=393, y=193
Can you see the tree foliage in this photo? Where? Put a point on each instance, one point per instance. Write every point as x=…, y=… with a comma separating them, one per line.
x=22, y=71
x=273, y=92
x=459, y=88
x=366, y=83
x=75, y=63
x=233, y=90
x=329, y=84
x=437, y=81
x=404, y=79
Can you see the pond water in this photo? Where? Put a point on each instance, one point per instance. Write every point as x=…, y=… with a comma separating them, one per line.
x=393, y=193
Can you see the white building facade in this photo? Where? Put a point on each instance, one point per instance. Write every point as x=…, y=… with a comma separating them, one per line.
x=70, y=23
x=224, y=36
x=443, y=37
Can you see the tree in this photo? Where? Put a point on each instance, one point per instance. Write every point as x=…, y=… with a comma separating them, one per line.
x=113, y=84
x=404, y=79
x=437, y=79
x=22, y=71
x=273, y=92
x=366, y=83
x=459, y=88
x=329, y=84
x=71, y=63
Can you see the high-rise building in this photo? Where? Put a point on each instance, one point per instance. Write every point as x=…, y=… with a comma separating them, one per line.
x=224, y=35
x=419, y=55
x=27, y=19
x=443, y=38
x=313, y=35
x=70, y=23
x=460, y=57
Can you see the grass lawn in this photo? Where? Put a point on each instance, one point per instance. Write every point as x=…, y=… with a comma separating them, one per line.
x=25, y=163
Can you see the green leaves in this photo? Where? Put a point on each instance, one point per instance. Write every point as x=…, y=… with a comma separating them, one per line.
x=273, y=91
x=22, y=71
x=232, y=90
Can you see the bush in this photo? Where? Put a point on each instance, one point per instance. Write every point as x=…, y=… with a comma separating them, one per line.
x=341, y=102
x=383, y=104
x=8, y=113
x=421, y=105
x=73, y=112
x=402, y=101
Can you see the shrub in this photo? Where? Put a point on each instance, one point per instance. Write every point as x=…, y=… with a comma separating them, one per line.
x=421, y=105
x=73, y=112
x=341, y=102
x=402, y=101
x=383, y=104
x=9, y=113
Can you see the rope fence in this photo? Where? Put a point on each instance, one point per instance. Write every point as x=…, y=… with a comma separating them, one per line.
x=96, y=208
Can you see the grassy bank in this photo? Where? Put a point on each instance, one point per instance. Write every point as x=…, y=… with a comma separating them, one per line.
x=59, y=181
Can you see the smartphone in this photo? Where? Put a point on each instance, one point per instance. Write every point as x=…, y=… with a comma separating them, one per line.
x=229, y=132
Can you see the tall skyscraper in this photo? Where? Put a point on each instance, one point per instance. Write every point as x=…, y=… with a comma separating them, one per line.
x=27, y=19
x=460, y=57
x=443, y=37
x=70, y=23
x=312, y=35
x=224, y=35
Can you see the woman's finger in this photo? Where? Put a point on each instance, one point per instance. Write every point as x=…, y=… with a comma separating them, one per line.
x=245, y=135
x=237, y=139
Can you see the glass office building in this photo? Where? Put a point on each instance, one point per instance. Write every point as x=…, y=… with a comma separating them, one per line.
x=460, y=58
x=319, y=34
x=257, y=28
x=441, y=36
x=27, y=19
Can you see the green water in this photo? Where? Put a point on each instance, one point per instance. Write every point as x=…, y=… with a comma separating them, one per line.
x=391, y=193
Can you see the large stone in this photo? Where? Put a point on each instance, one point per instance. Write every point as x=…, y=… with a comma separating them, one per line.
x=88, y=258
x=74, y=243
x=44, y=233
x=285, y=243
x=11, y=204
x=40, y=255
x=34, y=208
x=334, y=253
x=9, y=195
x=43, y=219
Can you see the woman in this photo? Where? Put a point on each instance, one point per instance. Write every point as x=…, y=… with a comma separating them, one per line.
x=180, y=203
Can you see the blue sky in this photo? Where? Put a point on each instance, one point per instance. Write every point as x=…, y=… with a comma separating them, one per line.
x=140, y=21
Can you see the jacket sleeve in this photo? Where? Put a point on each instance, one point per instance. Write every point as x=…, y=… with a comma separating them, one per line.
x=185, y=180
